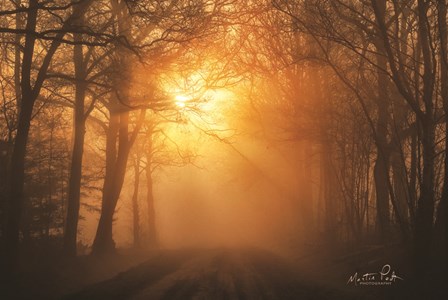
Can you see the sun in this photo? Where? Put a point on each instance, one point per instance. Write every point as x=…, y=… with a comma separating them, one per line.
x=181, y=100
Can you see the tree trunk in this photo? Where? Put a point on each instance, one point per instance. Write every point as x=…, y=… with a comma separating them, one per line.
x=104, y=242
x=330, y=194
x=17, y=181
x=17, y=170
x=381, y=167
x=441, y=225
x=79, y=127
x=104, y=234
x=400, y=186
x=425, y=205
x=135, y=206
x=116, y=162
x=152, y=232
x=17, y=62
x=305, y=191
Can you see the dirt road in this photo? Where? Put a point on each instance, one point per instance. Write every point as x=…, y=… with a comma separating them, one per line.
x=212, y=274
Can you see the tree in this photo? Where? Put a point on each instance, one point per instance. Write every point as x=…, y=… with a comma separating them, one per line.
x=30, y=88
x=89, y=69
x=189, y=21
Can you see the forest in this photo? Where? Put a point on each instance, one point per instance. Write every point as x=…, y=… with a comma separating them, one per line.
x=223, y=149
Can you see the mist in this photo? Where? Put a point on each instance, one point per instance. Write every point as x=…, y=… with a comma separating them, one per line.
x=221, y=149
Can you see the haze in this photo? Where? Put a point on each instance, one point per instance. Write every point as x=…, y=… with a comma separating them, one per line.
x=222, y=149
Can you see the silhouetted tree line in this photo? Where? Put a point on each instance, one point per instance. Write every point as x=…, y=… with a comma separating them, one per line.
x=65, y=64
x=360, y=87
x=378, y=71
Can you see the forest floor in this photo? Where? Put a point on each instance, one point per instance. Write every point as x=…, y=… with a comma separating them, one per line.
x=212, y=274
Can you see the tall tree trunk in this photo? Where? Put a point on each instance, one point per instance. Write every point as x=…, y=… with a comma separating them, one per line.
x=17, y=62
x=15, y=201
x=381, y=167
x=330, y=195
x=135, y=206
x=305, y=191
x=6, y=146
x=111, y=156
x=17, y=181
x=151, y=221
x=79, y=127
x=116, y=162
x=425, y=205
x=400, y=186
x=441, y=225
x=152, y=232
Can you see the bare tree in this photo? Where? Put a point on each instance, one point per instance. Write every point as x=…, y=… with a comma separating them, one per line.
x=30, y=88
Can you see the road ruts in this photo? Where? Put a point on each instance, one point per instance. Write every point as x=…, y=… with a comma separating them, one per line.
x=213, y=274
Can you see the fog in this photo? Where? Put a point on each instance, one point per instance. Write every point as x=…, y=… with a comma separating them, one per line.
x=222, y=149
x=239, y=188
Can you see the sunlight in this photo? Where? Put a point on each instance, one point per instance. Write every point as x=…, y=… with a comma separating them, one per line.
x=223, y=149
x=181, y=100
